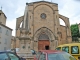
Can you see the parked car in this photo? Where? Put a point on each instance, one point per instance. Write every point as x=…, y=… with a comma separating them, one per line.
x=8, y=55
x=52, y=55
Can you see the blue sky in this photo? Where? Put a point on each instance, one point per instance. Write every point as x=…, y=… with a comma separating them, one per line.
x=15, y=8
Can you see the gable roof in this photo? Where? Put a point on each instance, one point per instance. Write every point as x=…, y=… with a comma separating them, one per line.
x=40, y=2
x=2, y=13
x=6, y=26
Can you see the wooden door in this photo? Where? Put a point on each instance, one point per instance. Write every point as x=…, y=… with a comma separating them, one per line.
x=42, y=44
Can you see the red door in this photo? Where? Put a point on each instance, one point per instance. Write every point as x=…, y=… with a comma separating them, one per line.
x=43, y=44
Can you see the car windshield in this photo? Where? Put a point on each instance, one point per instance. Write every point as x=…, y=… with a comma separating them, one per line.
x=60, y=56
x=3, y=56
x=13, y=56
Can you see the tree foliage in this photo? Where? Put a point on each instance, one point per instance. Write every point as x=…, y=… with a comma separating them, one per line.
x=75, y=32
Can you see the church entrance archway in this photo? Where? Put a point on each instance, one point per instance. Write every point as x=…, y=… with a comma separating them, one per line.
x=43, y=42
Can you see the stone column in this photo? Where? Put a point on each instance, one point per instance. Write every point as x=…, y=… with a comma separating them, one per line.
x=36, y=45
x=52, y=45
x=31, y=45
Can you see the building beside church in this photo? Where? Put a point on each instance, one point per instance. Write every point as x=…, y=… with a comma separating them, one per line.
x=79, y=27
x=5, y=33
x=79, y=32
x=39, y=28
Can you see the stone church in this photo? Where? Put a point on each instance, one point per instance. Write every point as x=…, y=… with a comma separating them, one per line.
x=39, y=28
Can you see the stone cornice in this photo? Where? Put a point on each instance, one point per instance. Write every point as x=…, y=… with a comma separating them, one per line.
x=24, y=38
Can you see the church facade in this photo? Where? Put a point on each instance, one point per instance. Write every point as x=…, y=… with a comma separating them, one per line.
x=39, y=28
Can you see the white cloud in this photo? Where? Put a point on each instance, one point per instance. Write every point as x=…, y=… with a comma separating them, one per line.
x=15, y=8
x=20, y=11
x=70, y=10
x=12, y=24
x=75, y=19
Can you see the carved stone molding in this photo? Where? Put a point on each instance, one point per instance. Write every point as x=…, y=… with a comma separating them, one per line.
x=24, y=38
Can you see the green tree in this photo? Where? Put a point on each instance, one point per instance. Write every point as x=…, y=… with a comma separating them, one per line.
x=75, y=32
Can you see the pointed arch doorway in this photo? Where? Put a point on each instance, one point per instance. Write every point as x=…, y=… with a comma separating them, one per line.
x=43, y=42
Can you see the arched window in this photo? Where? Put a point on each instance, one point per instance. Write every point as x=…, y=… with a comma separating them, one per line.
x=21, y=24
x=62, y=22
